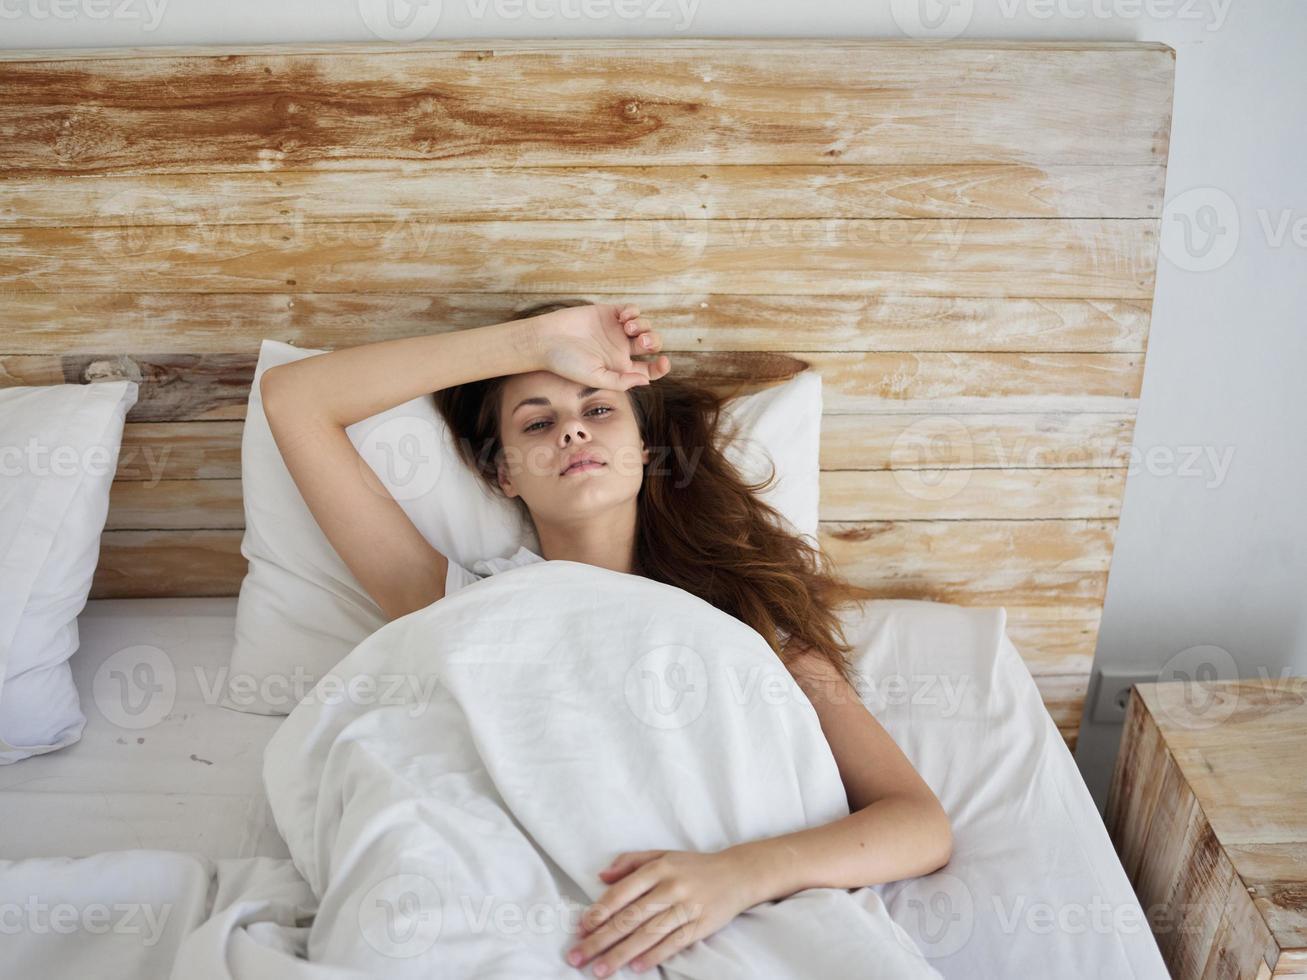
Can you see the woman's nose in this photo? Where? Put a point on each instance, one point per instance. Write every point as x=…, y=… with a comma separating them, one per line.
x=574, y=430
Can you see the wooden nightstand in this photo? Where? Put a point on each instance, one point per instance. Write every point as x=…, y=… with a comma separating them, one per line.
x=1208, y=812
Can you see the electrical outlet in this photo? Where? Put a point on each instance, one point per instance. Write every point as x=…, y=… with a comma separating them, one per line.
x=1112, y=694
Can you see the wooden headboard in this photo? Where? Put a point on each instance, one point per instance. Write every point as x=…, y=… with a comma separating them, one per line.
x=960, y=236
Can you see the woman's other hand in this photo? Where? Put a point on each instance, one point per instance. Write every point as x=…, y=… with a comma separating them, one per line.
x=658, y=903
x=597, y=345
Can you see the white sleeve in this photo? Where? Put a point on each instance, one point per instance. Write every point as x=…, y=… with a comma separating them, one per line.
x=457, y=577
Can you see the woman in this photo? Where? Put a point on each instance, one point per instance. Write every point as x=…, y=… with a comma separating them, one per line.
x=615, y=464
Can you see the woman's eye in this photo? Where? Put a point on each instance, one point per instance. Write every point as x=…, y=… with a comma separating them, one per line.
x=532, y=427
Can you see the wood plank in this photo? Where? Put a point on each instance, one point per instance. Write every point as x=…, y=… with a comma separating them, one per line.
x=1049, y=588
x=585, y=192
x=969, y=382
x=211, y=450
x=136, y=505
x=968, y=550
x=962, y=554
x=182, y=387
x=989, y=494
x=980, y=562
x=154, y=451
x=173, y=387
x=703, y=101
x=958, y=441
x=70, y=321
x=145, y=564
x=1069, y=258
x=1064, y=645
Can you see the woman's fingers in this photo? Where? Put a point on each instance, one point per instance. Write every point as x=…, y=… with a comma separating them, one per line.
x=646, y=343
x=650, y=371
x=655, y=369
x=643, y=340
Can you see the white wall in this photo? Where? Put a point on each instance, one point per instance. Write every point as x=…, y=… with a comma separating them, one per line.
x=1212, y=550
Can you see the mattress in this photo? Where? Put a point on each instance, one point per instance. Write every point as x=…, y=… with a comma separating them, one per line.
x=1034, y=884
x=173, y=771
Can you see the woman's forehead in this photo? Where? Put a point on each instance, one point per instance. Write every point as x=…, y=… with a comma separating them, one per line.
x=545, y=384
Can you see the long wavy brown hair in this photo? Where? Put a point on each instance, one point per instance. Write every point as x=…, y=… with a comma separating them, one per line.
x=699, y=525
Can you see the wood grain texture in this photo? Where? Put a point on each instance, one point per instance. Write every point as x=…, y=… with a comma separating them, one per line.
x=1208, y=811
x=891, y=441
x=154, y=451
x=588, y=193
x=960, y=237
x=697, y=102
x=187, y=387
x=1061, y=258
x=123, y=322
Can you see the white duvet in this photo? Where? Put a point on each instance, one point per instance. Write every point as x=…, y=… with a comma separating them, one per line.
x=520, y=732
x=451, y=791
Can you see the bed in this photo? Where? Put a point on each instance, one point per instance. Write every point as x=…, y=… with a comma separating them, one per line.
x=959, y=236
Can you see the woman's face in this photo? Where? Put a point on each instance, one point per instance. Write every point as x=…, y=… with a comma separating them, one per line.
x=547, y=421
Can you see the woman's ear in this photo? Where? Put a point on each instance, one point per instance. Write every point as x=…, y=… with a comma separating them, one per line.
x=505, y=482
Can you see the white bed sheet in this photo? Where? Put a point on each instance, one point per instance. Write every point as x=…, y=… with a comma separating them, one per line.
x=181, y=773
x=1034, y=884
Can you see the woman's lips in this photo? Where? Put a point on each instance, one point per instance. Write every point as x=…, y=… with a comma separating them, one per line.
x=587, y=465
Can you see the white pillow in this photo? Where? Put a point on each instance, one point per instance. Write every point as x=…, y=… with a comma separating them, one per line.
x=58, y=454
x=301, y=610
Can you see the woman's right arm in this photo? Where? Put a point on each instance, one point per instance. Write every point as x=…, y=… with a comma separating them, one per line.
x=309, y=403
